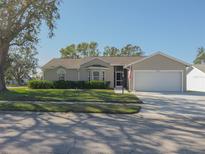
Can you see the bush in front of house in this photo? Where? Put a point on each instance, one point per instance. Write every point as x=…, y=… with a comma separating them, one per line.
x=60, y=84
x=69, y=84
x=43, y=84
x=98, y=84
x=40, y=84
x=81, y=84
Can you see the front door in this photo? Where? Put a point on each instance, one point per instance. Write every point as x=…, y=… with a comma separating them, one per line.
x=118, y=79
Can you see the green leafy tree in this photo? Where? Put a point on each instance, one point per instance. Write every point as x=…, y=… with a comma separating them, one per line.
x=20, y=22
x=22, y=64
x=80, y=50
x=131, y=50
x=200, y=56
x=111, y=51
x=69, y=52
x=93, y=49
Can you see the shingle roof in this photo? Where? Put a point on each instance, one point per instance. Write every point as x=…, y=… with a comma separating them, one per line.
x=121, y=60
x=75, y=63
x=201, y=67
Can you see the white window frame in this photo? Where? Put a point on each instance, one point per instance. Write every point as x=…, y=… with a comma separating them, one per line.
x=118, y=80
x=101, y=76
x=61, y=73
x=96, y=77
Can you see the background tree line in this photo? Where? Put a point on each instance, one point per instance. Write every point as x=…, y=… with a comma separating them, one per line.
x=21, y=64
x=86, y=49
x=200, y=58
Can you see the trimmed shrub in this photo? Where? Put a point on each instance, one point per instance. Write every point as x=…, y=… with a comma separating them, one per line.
x=98, y=84
x=40, y=84
x=43, y=84
x=81, y=84
x=61, y=84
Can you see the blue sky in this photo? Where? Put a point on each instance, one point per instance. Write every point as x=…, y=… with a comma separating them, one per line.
x=175, y=27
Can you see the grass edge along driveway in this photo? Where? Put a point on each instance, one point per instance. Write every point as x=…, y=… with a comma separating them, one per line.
x=72, y=95
x=76, y=107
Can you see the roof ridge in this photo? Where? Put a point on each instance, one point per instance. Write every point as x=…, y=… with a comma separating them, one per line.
x=75, y=63
x=97, y=57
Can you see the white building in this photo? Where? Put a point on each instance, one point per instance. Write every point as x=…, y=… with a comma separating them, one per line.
x=196, y=78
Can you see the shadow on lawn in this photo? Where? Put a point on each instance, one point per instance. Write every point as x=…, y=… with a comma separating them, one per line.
x=89, y=95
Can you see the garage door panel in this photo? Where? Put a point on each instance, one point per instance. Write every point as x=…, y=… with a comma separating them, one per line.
x=158, y=81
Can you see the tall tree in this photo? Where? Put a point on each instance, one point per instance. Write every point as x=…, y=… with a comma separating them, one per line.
x=200, y=56
x=131, y=50
x=69, y=52
x=20, y=22
x=80, y=50
x=111, y=51
x=93, y=49
x=22, y=64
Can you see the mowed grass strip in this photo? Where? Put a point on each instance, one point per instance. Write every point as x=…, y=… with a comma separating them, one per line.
x=75, y=95
x=76, y=108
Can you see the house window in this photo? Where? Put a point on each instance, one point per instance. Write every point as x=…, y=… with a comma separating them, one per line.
x=61, y=74
x=61, y=77
x=96, y=75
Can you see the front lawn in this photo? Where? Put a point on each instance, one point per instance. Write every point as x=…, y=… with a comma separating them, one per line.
x=78, y=107
x=75, y=95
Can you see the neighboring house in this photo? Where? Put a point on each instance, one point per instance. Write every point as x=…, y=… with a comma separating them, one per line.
x=157, y=72
x=14, y=82
x=196, y=78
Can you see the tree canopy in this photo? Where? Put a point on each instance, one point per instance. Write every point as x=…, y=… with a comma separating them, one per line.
x=111, y=51
x=85, y=49
x=131, y=50
x=200, y=56
x=20, y=22
x=22, y=64
x=80, y=50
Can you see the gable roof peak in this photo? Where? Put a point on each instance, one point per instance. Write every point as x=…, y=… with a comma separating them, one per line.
x=162, y=54
x=200, y=67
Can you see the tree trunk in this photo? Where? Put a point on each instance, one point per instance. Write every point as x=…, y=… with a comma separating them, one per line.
x=18, y=80
x=4, y=47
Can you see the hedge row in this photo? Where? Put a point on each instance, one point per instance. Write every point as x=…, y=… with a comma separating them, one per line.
x=40, y=84
x=44, y=84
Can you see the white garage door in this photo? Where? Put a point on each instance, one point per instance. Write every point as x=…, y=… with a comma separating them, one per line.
x=158, y=80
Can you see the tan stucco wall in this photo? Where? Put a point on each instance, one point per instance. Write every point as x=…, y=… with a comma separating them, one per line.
x=109, y=76
x=84, y=74
x=72, y=74
x=51, y=74
x=159, y=62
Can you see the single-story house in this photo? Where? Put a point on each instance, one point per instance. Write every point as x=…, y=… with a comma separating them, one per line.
x=157, y=72
x=196, y=78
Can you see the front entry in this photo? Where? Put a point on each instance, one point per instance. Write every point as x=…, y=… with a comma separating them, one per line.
x=118, y=79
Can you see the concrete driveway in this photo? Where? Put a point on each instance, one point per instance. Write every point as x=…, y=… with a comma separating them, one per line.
x=189, y=104
x=168, y=123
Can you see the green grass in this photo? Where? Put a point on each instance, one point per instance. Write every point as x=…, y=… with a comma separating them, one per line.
x=82, y=108
x=90, y=95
